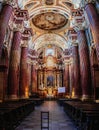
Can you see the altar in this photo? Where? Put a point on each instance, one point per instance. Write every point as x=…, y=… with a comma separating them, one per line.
x=50, y=76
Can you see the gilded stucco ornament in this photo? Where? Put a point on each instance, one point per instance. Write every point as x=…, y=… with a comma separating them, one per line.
x=13, y=3
x=84, y=2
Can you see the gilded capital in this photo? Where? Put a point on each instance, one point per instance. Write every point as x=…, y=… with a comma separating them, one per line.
x=78, y=21
x=18, y=27
x=24, y=43
x=27, y=33
x=72, y=36
x=84, y=2
x=13, y=3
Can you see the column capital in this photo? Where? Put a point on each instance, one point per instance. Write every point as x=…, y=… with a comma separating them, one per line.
x=72, y=36
x=18, y=27
x=66, y=61
x=24, y=43
x=21, y=14
x=12, y=3
x=17, y=22
x=83, y=3
x=78, y=19
x=27, y=33
x=32, y=55
x=66, y=52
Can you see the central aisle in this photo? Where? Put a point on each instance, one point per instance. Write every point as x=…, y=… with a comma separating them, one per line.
x=58, y=120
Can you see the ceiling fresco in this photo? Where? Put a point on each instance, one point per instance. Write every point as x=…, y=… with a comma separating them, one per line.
x=49, y=18
x=49, y=21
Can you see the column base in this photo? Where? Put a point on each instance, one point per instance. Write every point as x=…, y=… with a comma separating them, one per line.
x=67, y=96
x=23, y=97
x=13, y=97
x=76, y=97
x=86, y=98
x=97, y=101
x=1, y=101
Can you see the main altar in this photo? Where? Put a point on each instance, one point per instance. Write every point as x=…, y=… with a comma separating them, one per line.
x=49, y=75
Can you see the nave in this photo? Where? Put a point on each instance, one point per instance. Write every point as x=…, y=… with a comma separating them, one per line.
x=58, y=120
x=49, y=49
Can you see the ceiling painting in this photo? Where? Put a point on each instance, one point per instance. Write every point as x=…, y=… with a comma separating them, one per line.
x=49, y=21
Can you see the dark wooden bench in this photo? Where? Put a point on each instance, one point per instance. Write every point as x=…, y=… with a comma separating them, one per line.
x=37, y=101
x=13, y=112
x=85, y=115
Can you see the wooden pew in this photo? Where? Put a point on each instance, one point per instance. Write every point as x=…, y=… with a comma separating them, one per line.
x=12, y=113
x=85, y=115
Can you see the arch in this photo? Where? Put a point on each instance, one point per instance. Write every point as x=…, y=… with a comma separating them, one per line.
x=50, y=38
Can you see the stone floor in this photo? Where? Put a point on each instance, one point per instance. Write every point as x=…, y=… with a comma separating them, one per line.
x=58, y=120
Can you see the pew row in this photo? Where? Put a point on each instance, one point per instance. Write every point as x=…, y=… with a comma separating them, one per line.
x=84, y=114
x=13, y=112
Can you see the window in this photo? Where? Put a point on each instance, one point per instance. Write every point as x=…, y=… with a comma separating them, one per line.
x=49, y=52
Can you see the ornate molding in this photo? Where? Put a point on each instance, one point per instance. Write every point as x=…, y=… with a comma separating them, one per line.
x=76, y=3
x=17, y=22
x=84, y=2
x=78, y=20
x=72, y=36
x=18, y=27
x=27, y=34
x=13, y=3
x=66, y=61
x=21, y=14
x=24, y=43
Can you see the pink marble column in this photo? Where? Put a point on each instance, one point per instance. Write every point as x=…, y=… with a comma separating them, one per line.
x=4, y=19
x=71, y=79
x=34, y=79
x=24, y=65
x=24, y=88
x=14, y=65
x=4, y=72
x=29, y=78
x=84, y=65
x=93, y=17
x=76, y=67
x=66, y=78
x=3, y=83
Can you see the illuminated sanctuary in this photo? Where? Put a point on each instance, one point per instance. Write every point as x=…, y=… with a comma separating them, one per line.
x=49, y=51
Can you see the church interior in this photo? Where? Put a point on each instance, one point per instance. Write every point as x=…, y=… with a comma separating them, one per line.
x=49, y=61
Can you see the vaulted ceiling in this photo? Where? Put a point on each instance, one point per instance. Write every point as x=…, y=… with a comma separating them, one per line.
x=49, y=20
